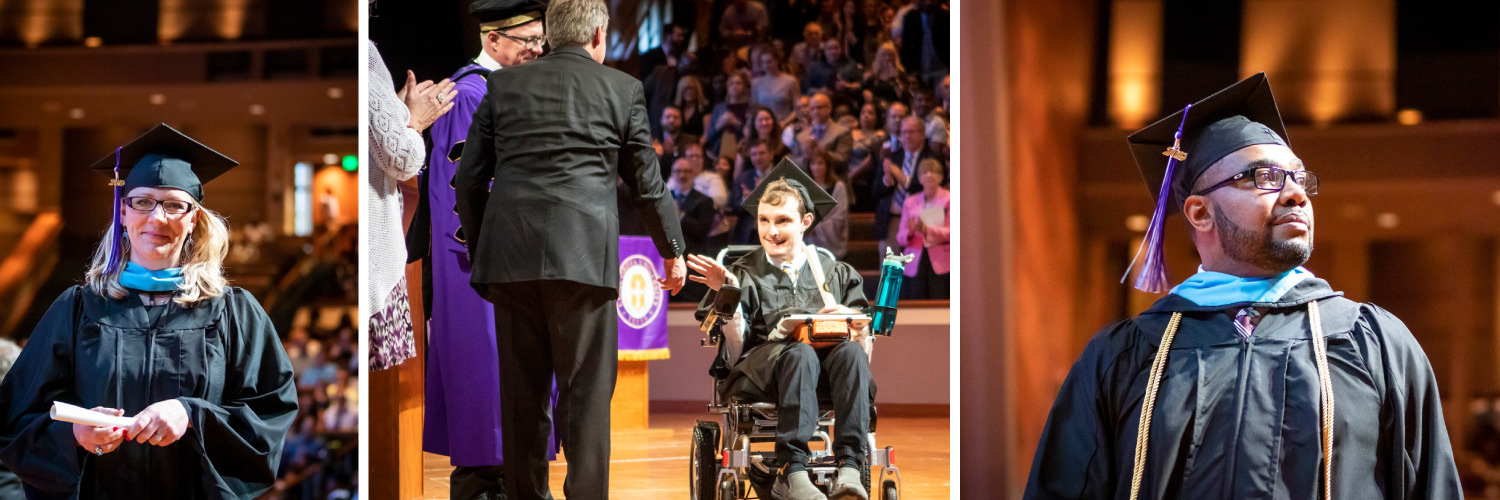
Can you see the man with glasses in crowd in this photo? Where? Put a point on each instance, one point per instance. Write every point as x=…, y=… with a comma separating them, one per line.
x=1253, y=378
x=463, y=372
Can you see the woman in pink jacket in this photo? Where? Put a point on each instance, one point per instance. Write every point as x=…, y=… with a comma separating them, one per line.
x=926, y=275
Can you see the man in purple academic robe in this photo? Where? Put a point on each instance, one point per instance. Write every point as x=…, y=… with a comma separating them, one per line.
x=463, y=373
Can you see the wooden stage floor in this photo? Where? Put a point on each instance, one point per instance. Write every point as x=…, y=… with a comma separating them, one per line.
x=653, y=463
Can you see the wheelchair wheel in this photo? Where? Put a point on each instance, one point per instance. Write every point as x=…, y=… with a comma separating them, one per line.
x=888, y=492
x=703, y=461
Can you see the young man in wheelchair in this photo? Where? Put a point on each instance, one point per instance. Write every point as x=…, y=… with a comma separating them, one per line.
x=783, y=277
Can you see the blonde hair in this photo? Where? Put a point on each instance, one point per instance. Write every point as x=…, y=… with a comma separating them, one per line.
x=202, y=262
x=876, y=68
x=691, y=81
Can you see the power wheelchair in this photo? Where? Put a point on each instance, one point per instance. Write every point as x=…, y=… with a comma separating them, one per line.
x=731, y=454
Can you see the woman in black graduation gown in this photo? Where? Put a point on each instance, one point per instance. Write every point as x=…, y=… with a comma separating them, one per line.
x=155, y=333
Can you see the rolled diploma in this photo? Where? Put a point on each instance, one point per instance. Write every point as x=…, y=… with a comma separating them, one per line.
x=69, y=413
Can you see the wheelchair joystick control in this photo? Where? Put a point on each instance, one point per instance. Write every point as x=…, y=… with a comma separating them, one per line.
x=725, y=302
x=891, y=273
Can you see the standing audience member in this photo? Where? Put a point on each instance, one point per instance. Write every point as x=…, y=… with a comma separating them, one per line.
x=695, y=212
x=807, y=51
x=924, y=104
x=10, y=485
x=673, y=42
x=672, y=141
x=763, y=127
x=863, y=159
x=693, y=104
x=729, y=117
x=759, y=152
x=924, y=40
x=833, y=232
x=886, y=79
x=774, y=89
x=920, y=235
x=744, y=22
x=822, y=133
x=900, y=179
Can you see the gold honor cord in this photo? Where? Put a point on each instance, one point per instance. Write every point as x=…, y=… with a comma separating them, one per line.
x=1158, y=366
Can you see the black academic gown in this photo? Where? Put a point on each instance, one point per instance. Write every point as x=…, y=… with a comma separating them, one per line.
x=222, y=359
x=1239, y=418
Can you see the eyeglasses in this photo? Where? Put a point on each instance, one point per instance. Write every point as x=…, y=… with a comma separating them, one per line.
x=146, y=205
x=533, y=43
x=1271, y=179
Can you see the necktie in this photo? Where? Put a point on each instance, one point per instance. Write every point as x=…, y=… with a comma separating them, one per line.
x=1246, y=320
x=818, y=131
x=786, y=267
x=906, y=169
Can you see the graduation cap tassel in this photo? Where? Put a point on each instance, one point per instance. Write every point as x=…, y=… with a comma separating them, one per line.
x=114, y=228
x=1153, y=277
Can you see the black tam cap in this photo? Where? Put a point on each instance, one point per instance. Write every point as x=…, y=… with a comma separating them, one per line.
x=811, y=194
x=165, y=158
x=505, y=14
x=1173, y=153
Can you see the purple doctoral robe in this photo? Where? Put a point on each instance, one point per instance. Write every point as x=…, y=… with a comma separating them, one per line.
x=463, y=368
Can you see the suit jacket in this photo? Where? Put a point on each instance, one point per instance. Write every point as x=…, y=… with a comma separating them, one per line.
x=883, y=193
x=554, y=134
x=838, y=141
x=911, y=37
x=933, y=240
x=696, y=213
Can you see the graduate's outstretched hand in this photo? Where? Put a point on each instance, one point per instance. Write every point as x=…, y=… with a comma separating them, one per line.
x=710, y=272
x=103, y=439
x=160, y=424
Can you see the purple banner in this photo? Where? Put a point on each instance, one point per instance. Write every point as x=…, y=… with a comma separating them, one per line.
x=642, y=305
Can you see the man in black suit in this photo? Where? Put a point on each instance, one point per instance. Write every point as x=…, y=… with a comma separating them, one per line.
x=554, y=134
x=695, y=211
x=898, y=178
x=924, y=41
x=673, y=40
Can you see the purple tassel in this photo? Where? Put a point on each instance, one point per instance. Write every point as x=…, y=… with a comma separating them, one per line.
x=1153, y=277
x=114, y=227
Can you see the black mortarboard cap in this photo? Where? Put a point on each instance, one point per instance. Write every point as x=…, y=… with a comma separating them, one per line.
x=811, y=193
x=1173, y=153
x=165, y=158
x=502, y=14
x=1244, y=114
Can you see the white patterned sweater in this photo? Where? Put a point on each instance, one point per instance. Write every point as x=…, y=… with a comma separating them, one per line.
x=398, y=153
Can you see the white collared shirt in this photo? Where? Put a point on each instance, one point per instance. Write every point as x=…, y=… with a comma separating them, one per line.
x=486, y=61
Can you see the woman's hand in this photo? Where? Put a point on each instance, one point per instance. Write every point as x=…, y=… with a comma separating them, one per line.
x=427, y=101
x=99, y=440
x=710, y=272
x=161, y=424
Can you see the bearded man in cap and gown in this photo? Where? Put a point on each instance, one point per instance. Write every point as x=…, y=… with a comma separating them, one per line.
x=1253, y=378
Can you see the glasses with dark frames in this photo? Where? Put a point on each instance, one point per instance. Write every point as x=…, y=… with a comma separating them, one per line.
x=146, y=205
x=533, y=43
x=1270, y=179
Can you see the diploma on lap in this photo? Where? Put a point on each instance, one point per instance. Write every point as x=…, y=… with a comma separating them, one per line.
x=69, y=413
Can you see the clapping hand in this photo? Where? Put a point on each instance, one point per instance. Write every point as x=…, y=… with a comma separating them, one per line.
x=426, y=101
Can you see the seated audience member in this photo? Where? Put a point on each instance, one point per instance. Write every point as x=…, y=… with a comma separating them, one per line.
x=786, y=276
x=922, y=236
x=833, y=232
